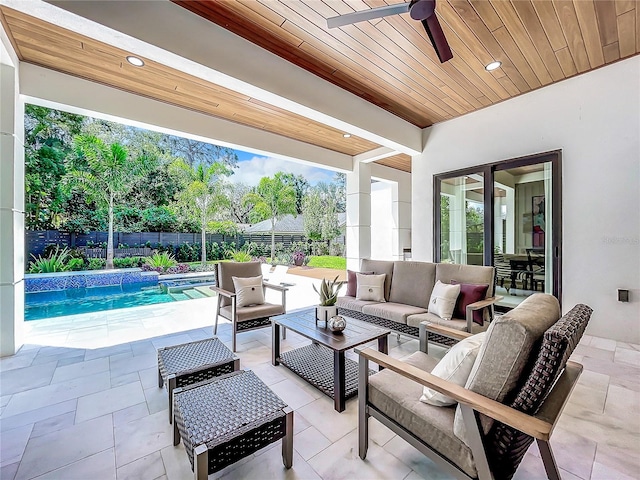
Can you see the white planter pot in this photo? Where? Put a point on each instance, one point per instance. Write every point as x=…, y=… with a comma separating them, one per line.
x=323, y=314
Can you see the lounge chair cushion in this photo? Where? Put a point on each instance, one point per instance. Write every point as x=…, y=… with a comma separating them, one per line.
x=226, y=270
x=253, y=312
x=249, y=291
x=392, y=311
x=506, y=351
x=397, y=397
x=454, y=367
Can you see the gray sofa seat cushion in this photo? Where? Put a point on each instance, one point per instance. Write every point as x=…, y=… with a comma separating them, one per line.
x=392, y=311
x=509, y=344
x=352, y=303
x=254, y=311
x=412, y=283
x=399, y=398
x=378, y=267
x=458, y=324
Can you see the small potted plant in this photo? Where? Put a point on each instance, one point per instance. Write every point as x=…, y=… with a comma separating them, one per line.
x=298, y=258
x=328, y=294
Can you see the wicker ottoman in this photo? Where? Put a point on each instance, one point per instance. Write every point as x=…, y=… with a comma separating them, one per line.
x=189, y=363
x=227, y=418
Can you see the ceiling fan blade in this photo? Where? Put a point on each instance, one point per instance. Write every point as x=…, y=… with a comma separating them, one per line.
x=436, y=35
x=365, y=15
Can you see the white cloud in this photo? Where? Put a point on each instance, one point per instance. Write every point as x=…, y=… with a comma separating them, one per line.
x=252, y=170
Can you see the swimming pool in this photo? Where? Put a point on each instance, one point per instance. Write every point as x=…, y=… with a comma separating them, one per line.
x=72, y=301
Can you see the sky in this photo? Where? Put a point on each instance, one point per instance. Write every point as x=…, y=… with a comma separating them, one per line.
x=252, y=167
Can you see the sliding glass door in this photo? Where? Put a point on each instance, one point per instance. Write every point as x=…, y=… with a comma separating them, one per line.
x=462, y=219
x=515, y=225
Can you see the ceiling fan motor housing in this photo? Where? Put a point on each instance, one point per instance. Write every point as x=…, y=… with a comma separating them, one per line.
x=421, y=9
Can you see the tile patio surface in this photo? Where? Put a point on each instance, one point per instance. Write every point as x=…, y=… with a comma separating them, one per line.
x=80, y=400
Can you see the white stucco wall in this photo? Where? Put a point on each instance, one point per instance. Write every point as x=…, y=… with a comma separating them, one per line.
x=381, y=221
x=595, y=120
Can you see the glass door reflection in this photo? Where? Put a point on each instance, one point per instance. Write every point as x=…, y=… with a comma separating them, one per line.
x=462, y=219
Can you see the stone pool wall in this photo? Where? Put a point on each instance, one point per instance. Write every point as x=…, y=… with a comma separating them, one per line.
x=49, y=282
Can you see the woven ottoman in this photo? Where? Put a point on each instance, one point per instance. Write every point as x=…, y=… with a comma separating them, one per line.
x=193, y=362
x=224, y=419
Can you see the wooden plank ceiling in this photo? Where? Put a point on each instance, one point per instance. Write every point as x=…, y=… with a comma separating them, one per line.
x=388, y=62
x=50, y=46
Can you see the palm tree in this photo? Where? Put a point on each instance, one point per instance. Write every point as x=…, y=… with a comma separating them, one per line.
x=203, y=193
x=272, y=199
x=106, y=175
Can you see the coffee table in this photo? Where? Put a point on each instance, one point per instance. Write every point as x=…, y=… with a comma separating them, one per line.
x=323, y=363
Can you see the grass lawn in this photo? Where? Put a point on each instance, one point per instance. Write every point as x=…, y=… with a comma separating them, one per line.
x=326, y=261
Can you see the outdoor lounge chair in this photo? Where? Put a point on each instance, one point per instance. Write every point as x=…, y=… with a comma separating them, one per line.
x=249, y=317
x=516, y=391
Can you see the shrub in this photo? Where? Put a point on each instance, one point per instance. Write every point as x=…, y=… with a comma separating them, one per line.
x=96, y=263
x=75, y=264
x=129, y=262
x=161, y=260
x=180, y=268
x=56, y=261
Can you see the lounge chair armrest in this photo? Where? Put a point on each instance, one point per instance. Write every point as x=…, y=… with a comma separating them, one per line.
x=528, y=424
x=224, y=293
x=279, y=288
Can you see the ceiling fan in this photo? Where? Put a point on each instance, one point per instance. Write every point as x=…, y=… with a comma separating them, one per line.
x=422, y=10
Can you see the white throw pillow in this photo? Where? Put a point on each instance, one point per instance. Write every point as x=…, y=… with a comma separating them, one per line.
x=455, y=367
x=370, y=287
x=249, y=290
x=443, y=299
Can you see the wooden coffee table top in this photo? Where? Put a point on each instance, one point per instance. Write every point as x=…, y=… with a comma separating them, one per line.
x=356, y=332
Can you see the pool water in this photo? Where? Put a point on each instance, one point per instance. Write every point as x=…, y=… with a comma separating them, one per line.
x=41, y=305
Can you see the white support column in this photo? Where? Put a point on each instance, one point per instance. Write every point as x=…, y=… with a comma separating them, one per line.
x=11, y=203
x=401, y=210
x=358, y=234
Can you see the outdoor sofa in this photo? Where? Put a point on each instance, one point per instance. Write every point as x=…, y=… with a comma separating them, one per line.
x=407, y=292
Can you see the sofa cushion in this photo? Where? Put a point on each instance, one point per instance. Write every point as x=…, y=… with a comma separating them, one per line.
x=412, y=283
x=392, y=311
x=370, y=287
x=447, y=272
x=443, y=300
x=352, y=303
x=378, y=267
x=352, y=282
x=510, y=342
x=398, y=398
x=458, y=324
x=470, y=293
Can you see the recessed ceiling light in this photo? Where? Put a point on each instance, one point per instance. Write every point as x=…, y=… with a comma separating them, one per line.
x=135, y=61
x=492, y=66
x=346, y=135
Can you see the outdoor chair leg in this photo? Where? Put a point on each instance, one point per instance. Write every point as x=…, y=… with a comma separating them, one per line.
x=287, y=441
x=363, y=417
x=548, y=460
